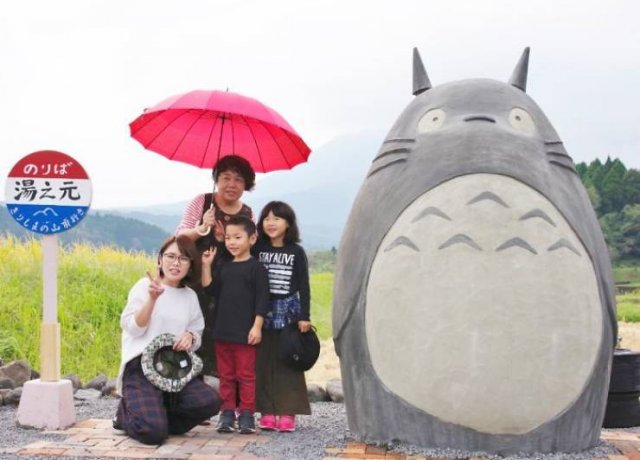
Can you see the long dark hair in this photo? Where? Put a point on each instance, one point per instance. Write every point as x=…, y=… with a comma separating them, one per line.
x=186, y=248
x=284, y=211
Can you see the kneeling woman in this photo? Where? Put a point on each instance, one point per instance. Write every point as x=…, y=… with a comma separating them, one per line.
x=156, y=306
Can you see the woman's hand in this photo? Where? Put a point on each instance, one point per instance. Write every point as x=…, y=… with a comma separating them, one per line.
x=155, y=287
x=209, y=255
x=255, y=335
x=218, y=230
x=304, y=326
x=184, y=342
x=209, y=217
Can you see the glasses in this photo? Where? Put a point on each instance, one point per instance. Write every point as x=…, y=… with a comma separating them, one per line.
x=171, y=258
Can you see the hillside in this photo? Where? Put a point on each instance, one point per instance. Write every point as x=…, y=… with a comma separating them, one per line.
x=99, y=229
x=321, y=191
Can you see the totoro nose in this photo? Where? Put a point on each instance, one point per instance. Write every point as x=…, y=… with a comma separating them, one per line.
x=480, y=118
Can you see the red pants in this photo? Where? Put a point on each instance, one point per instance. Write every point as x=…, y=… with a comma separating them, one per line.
x=237, y=366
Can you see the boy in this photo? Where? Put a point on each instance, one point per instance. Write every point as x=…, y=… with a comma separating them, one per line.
x=241, y=290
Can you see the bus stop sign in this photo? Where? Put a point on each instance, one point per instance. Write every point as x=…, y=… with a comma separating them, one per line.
x=48, y=192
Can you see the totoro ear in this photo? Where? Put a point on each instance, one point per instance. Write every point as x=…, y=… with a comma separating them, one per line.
x=421, y=81
x=519, y=75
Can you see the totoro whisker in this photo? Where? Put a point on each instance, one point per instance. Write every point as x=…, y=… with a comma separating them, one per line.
x=395, y=151
x=487, y=196
x=402, y=241
x=559, y=154
x=553, y=142
x=381, y=167
x=516, y=242
x=430, y=211
x=399, y=139
x=538, y=213
x=570, y=167
x=563, y=243
x=460, y=238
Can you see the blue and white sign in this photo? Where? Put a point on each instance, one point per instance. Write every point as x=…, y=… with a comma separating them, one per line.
x=48, y=192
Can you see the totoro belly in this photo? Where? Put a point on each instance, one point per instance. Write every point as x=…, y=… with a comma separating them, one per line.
x=483, y=308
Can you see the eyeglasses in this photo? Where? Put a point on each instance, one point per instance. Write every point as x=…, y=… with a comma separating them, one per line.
x=171, y=258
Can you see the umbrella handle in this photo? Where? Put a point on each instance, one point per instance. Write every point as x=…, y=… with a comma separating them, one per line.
x=203, y=233
x=208, y=228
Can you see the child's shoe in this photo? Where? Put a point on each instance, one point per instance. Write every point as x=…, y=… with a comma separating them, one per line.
x=268, y=422
x=287, y=423
x=226, y=422
x=246, y=422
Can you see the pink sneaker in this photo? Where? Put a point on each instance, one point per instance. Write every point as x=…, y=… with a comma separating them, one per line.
x=268, y=422
x=287, y=423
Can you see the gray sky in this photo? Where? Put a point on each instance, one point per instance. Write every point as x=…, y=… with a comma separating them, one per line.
x=75, y=73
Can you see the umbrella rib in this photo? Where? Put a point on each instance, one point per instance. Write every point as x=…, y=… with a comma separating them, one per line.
x=255, y=141
x=184, y=136
x=289, y=135
x=286, y=160
x=213, y=127
x=223, y=114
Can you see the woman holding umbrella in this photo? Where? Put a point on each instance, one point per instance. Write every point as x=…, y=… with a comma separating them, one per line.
x=211, y=129
x=203, y=223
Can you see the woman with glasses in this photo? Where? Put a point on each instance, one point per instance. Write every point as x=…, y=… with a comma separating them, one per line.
x=157, y=305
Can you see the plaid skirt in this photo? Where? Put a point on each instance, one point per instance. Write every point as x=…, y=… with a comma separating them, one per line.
x=280, y=390
x=149, y=415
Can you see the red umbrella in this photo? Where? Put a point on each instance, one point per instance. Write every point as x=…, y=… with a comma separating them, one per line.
x=200, y=127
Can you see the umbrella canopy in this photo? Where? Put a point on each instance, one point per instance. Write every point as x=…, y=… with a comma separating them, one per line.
x=200, y=127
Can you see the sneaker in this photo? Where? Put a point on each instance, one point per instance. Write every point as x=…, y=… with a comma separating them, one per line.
x=117, y=426
x=287, y=423
x=226, y=421
x=268, y=422
x=246, y=423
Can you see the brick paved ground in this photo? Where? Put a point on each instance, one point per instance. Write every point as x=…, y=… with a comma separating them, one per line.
x=94, y=438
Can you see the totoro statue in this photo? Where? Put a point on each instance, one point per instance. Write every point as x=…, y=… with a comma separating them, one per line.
x=474, y=305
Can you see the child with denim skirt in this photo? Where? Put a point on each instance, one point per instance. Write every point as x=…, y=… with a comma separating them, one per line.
x=281, y=392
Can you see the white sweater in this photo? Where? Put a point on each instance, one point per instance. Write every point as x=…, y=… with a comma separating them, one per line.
x=176, y=310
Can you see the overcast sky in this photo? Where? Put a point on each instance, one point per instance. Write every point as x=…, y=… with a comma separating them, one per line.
x=74, y=74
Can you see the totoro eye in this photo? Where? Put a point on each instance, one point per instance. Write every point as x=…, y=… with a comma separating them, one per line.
x=522, y=121
x=431, y=120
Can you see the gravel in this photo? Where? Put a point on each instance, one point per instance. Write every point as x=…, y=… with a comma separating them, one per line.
x=327, y=427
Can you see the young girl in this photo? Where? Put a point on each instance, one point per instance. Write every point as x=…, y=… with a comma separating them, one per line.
x=164, y=304
x=281, y=392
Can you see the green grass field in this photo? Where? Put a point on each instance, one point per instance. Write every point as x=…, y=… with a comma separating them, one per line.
x=92, y=291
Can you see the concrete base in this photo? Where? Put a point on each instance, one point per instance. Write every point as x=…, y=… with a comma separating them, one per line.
x=47, y=405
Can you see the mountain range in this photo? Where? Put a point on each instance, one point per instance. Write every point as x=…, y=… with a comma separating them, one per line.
x=321, y=191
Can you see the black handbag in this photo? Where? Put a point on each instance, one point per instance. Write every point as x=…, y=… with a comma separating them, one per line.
x=298, y=350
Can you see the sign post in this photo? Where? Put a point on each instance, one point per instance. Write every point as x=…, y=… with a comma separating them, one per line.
x=48, y=192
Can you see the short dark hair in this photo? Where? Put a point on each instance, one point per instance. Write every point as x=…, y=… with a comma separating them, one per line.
x=186, y=248
x=284, y=211
x=237, y=164
x=242, y=221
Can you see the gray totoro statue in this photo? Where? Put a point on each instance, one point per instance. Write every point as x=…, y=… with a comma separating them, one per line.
x=474, y=304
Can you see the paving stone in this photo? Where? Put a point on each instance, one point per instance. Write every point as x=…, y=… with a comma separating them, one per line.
x=94, y=453
x=125, y=454
x=43, y=451
x=212, y=457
